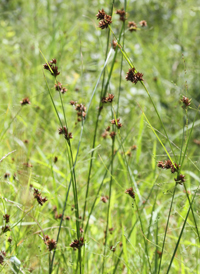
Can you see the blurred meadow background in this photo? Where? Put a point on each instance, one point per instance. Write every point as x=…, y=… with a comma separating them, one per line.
x=156, y=228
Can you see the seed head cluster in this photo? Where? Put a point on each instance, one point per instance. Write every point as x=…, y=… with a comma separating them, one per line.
x=130, y=192
x=25, y=101
x=108, y=99
x=81, y=110
x=38, y=197
x=60, y=88
x=132, y=26
x=105, y=20
x=77, y=243
x=186, y=102
x=122, y=15
x=51, y=66
x=134, y=76
x=64, y=130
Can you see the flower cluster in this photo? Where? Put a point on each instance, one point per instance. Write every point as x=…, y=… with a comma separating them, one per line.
x=168, y=165
x=81, y=110
x=104, y=199
x=180, y=179
x=38, y=197
x=186, y=101
x=130, y=192
x=64, y=130
x=108, y=99
x=5, y=228
x=51, y=244
x=132, y=26
x=105, y=19
x=60, y=88
x=2, y=256
x=116, y=122
x=6, y=175
x=77, y=243
x=122, y=14
x=51, y=66
x=143, y=23
x=6, y=217
x=133, y=76
x=25, y=101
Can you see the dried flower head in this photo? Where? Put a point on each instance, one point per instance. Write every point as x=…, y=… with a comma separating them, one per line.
x=186, y=101
x=112, y=134
x=6, y=175
x=112, y=248
x=180, y=179
x=2, y=256
x=134, y=147
x=51, y=244
x=6, y=217
x=132, y=26
x=72, y=103
x=26, y=141
x=159, y=253
x=133, y=76
x=10, y=240
x=51, y=66
x=5, y=228
x=55, y=160
x=105, y=22
x=110, y=98
x=108, y=128
x=77, y=243
x=67, y=218
x=25, y=101
x=111, y=230
x=27, y=165
x=143, y=23
x=116, y=122
x=104, y=199
x=130, y=192
x=81, y=230
x=60, y=88
x=64, y=130
x=100, y=15
x=114, y=44
x=122, y=14
x=105, y=134
x=38, y=197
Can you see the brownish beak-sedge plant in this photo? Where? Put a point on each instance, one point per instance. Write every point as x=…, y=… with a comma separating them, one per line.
x=100, y=166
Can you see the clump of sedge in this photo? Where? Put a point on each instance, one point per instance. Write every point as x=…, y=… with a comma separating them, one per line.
x=133, y=76
x=130, y=192
x=51, y=66
x=38, y=197
x=105, y=20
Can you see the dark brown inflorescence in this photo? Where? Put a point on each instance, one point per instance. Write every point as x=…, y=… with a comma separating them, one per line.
x=122, y=14
x=132, y=26
x=6, y=175
x=64, y=130
x=116, y=122
x=186, y=102
x=114, y=44
x=108, y=99
x=112, y=134
x=130, y=192
x=133, y=76
x=105, y=20
x=51, y=66
x=143, y=23
x=6, y=217
x=5, y=228
x=104, y=199
x=180, y=179
x=38, y=197
x=25, y=101
x=60, y=88
x=2, y=256
x=51, y=244
x=77, y=243
x=81, y=110
x=112, y=248
x=168, y=165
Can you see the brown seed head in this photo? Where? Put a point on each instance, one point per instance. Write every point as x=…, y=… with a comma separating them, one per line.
x=143, y=23
x=132, y=26
x=122, y=14
x=130, y=192
x=100, y=15
x=25, y=101
x=6, y=217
